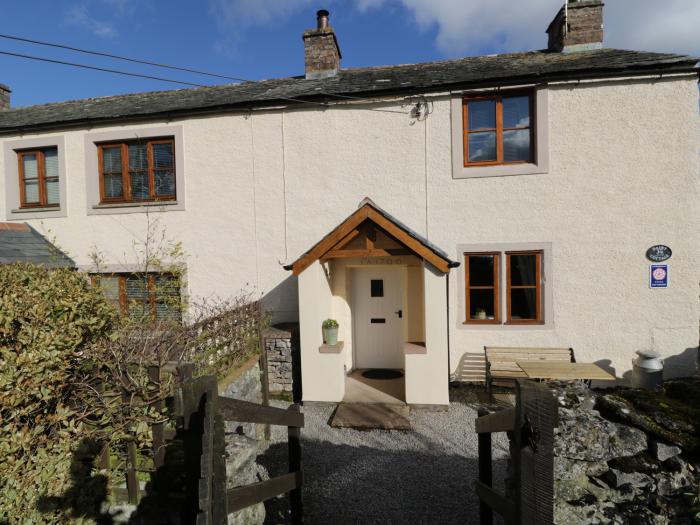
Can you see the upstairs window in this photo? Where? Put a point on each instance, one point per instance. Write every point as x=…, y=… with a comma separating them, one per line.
x=38, y=178
x=498, y=130
x=143, y=296
x=140, y=171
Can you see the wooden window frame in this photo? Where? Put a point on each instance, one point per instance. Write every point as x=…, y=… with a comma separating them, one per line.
x=41, y=179
x=126, y=180
x=496, y=288
x=539, y=254
x=150, y=284
x=499, y=129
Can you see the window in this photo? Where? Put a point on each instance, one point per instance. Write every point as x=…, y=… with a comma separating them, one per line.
x=522, y=293
x=497, y=130
x=377, y=288
x=523, y=275
x=140, y=171
x=143, y=296
x=481, y=277
x=38, y=178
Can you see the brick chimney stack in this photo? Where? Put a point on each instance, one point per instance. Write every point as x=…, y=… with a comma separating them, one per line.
x=322, y=54
x=578, y=26
x=4, y=97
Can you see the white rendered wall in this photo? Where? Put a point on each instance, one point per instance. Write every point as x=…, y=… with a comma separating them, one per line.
x=323, y=374
x=261, y=189
x=427, y=378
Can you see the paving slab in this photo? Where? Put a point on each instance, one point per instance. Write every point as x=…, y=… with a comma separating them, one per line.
x=365, y=416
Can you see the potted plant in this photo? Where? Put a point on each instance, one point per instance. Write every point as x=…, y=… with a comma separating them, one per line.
x=330, y=332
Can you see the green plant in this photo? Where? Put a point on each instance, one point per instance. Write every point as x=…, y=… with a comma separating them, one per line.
x=330, y=323
x=49, y=321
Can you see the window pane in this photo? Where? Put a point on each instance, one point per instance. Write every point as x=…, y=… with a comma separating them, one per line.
x=516, y=112
x=52, y=191
x=165, y=182
x=482, y=146
x=137, y=296
x=112, y=160
x=377, y=287
x=109, y=286
x=163, y=155
x=139, y=185
x=523, y=303
x=523, y=269
x=113, y=186
x=481, y=304
x=30, y=167
x=481, y=270
x=138, y=158
x=31, y=191
x=51, y=162
x=481, y=114
x=516, y=145
x=167, y=292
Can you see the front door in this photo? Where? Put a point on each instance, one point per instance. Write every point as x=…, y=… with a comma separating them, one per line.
x=378, y=317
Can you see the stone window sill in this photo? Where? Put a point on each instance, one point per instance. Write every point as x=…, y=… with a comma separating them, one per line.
x=38, y=209
x=113, y=205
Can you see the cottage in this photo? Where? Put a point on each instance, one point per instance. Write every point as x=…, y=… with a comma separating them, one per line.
x=504, y=200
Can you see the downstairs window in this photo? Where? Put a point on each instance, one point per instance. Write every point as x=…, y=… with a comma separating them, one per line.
x=143, y=296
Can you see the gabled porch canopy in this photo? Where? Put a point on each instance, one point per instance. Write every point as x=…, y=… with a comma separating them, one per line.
x=372, y=232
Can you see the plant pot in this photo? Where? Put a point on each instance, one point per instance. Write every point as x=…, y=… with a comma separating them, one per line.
x=330, y=336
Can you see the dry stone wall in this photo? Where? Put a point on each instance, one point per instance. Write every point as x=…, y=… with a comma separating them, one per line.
x=282, y=347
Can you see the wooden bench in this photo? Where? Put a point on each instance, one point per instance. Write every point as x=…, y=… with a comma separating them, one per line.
x=501, y=362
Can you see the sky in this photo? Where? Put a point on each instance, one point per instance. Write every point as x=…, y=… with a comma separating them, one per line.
x=259, y=39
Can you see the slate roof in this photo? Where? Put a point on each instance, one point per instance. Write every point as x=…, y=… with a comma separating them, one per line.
x=22, y=243
x=503, y=69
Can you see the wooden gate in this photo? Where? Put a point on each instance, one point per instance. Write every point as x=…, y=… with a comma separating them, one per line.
x=530, y=427
x=203, y=413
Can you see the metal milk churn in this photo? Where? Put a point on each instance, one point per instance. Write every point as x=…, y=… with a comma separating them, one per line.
x=647, y=370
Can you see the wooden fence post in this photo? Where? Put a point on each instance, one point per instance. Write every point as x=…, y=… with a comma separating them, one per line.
x=485, y=472
x=132, y=481
x=157, y=428
x=264, y=379
x=295, y=465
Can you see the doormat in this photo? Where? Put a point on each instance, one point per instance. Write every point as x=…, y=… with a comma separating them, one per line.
x=371, y=416
x=382, y=373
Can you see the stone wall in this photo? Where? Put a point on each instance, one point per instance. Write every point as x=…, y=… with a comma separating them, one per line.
x=628, y=456
x=282, y=347
x=244, y=441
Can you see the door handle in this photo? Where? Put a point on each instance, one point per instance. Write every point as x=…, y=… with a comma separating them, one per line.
x=399, y=313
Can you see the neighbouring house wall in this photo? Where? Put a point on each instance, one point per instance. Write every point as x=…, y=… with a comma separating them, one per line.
x=262, y=188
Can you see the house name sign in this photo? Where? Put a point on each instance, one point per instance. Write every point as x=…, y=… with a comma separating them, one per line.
x=658, y=253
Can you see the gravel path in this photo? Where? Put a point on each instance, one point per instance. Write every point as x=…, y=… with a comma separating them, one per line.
x=419, y=476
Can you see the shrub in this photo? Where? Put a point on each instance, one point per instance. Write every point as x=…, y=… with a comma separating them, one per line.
x=49, y=320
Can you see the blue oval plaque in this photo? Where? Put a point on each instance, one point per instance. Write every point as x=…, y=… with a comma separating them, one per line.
x=659, y=252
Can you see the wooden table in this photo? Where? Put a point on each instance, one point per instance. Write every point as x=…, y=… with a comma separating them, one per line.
x=564, y=371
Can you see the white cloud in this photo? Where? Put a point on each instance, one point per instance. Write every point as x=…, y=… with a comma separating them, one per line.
x=78, y=16
x=473, y=26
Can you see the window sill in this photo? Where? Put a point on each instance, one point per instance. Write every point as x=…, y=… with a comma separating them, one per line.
x=145, y=204
x=37, y=209
x=499, y=170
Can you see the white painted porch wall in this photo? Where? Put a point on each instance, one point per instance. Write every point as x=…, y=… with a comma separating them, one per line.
x=623, y=176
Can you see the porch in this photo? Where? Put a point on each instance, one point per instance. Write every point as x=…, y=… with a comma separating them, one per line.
x=386, y=287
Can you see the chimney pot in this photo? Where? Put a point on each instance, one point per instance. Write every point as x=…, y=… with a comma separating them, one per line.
x=321, y=51
x=4, y=97
x=322, y=19
x=578, y=26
